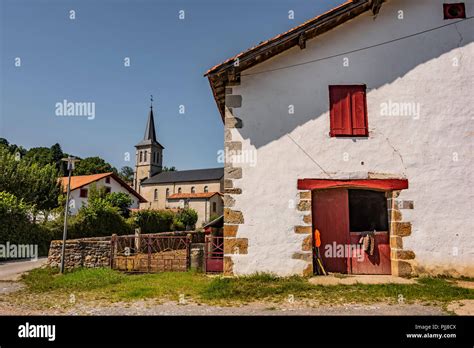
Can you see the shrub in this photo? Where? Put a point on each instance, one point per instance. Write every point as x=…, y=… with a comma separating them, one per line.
x=188, y=217
x=120, y=200
x=153, y=221
x=177, y=225
x=96, y=219
x=15, y=226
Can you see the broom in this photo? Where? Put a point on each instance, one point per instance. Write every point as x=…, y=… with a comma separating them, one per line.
x=317, y=243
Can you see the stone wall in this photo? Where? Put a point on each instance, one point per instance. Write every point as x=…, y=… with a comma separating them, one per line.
x=402, y=260
x=86, y=252
x=95, y=252
x=234, y=246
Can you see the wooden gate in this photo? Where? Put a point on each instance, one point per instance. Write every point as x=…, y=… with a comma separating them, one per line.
x=150, y=253
x=214, y=254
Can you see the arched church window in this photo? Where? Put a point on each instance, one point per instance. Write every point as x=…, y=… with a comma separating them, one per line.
x=167, y=192
x=193, y=189
x=179, y=190
x=145, y=156
x=206, y=189
x=141, y=156
x=155, y=195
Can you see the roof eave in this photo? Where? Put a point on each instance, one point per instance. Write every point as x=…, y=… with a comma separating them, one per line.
x=262, y=52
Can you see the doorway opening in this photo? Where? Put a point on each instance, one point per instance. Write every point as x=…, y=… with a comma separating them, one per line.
x=354, y=230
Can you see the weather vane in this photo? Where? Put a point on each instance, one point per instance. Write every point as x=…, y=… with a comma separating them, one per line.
x=151, y=100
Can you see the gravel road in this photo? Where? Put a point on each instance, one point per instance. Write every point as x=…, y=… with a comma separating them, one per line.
x=173, y=308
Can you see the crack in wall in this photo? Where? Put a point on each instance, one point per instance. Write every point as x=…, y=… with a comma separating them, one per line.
x=396, y=151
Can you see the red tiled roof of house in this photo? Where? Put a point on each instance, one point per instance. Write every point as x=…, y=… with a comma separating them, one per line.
x=193, y=195
x=79, y=181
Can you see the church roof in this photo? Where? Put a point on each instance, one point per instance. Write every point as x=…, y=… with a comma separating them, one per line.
x=186, y=175
x=150, y=135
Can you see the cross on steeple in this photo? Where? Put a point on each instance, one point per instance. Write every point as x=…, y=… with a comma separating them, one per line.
x=151, y=101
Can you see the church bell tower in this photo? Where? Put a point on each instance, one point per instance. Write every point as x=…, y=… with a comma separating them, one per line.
x=149, y=154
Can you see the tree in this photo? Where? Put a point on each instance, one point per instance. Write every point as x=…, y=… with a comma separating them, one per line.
x=39, y=155
x=46, y=155
x=120, y=200
x=169, y=169
x=12, y=148
x=126, y=174
x=56, y=156
x=36, y=185
x=93, y=165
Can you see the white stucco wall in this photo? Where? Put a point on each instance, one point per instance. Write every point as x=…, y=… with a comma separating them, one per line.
x=433, y=151
x=78, y=202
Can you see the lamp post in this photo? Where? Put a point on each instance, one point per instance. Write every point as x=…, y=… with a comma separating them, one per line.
x=71, y=161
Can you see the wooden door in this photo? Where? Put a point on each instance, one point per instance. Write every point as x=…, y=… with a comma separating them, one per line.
x=377, y=263
x=330, y=211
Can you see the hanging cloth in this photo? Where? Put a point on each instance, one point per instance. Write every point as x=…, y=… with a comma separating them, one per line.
x=368, y=243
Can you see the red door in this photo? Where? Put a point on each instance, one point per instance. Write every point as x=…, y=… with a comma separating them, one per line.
x=378, y=262
x=340, y=249
x=331, y=218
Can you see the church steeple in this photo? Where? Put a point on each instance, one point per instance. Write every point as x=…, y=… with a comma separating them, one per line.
x=150, y=127
x=149, y=153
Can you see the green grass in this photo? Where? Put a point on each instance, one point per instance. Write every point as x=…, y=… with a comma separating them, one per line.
x=47, y=279
x=107, y=284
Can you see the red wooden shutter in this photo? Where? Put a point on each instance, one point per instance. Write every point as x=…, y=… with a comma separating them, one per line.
x=359, y=111
x=340, y=111
x=348, y=110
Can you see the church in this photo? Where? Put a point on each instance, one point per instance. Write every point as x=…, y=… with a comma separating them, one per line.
x=199, y=189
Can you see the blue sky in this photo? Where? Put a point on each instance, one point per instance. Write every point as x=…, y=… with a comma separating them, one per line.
x=82, y=60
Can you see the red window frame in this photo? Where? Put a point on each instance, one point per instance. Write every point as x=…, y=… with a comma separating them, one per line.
x=348, y=111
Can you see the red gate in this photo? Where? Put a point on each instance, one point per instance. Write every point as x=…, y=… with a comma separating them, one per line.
x=214, y=254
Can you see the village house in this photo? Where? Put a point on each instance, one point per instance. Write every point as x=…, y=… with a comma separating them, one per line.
x=361, y=123
x=199, y=189
x=81, y=185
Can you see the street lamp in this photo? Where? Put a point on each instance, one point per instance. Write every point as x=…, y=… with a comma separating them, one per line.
x=71, y=161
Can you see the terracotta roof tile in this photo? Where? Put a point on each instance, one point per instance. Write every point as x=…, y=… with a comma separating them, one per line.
x=79, y=181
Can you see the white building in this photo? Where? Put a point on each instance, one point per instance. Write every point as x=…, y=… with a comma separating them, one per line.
x=81, y=184
x=360, y=120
